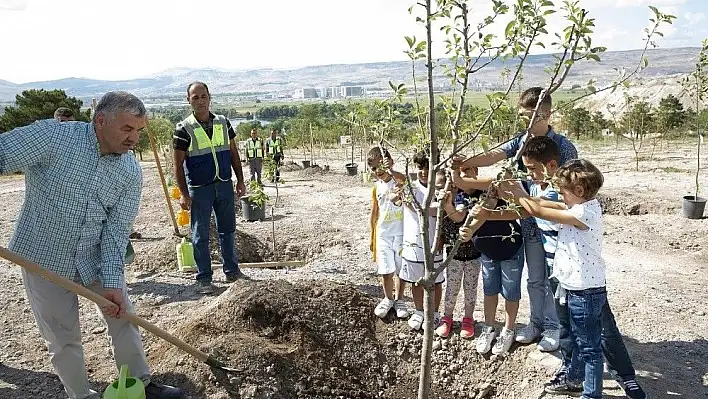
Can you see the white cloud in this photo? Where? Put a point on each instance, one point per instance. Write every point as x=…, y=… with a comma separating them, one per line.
x=13, y=5
x=692, y=18
x=635, y=3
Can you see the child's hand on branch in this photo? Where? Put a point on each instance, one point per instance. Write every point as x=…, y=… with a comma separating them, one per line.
x=511, y=189
x=466, y=233
x=457, y=161
x=480, y=213
x=396, y=195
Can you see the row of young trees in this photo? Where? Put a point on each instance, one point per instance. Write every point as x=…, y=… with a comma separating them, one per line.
x=668, y=118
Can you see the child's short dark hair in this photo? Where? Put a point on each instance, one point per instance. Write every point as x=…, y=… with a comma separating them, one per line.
x=542, y=149
x=63, y=111
x=421, y=160
x=579, y=172
x=374, y=156
x=529, y=98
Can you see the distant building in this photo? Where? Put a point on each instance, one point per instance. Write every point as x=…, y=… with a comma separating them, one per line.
x=308, y=92
x=353, y=91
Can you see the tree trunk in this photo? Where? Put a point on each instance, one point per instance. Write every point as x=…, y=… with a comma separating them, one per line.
x=426, y=353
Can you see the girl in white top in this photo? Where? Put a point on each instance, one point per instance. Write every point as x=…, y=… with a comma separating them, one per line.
x=579, y=268
x=386, y=224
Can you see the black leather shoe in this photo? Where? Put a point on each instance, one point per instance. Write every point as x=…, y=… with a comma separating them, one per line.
x=159, y=391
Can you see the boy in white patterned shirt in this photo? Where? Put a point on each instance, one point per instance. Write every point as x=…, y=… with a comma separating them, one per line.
x=578, y=267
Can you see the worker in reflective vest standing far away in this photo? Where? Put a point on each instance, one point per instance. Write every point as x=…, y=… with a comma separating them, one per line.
x=254, y=154
x=274, y=147
x=205, y=153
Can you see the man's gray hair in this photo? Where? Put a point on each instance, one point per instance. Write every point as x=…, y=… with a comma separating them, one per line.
x=115, y=102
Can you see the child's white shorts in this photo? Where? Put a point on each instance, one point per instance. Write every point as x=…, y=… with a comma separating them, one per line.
x=388, y=254
x=414, y=271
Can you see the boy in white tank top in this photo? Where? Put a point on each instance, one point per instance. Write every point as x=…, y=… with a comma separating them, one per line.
x=387, y=231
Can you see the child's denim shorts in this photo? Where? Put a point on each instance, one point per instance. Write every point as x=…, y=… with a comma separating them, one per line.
x=503, y=276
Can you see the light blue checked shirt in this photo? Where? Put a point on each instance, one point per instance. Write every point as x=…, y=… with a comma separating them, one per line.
x=79, y=206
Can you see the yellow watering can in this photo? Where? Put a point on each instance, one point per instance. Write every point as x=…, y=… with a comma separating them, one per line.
x=182, y=217
x=126, y=387
x=175, y=193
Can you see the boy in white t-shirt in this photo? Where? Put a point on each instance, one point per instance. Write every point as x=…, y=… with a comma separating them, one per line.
x=578, y=267
x=413, y=264
x=386, y=223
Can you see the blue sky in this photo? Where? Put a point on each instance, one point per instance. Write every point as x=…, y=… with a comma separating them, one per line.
x=111, y=39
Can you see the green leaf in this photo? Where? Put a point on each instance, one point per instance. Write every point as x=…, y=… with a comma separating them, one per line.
x=645, y=62
x=592, y=56
x=410, y=40
x=421, y=46
x=509, y=28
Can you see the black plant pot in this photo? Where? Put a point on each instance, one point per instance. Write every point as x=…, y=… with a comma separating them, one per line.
x=251, y=211
x=693, y=207
x=352, y=169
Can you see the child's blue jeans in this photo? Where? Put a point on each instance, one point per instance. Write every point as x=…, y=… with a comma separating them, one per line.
x=585, y=316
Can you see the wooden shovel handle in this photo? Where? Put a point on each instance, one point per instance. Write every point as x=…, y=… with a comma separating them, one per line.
x=79, y=289
x=153, y=144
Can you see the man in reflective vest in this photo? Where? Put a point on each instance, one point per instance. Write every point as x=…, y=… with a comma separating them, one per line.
x=254, y=154
x=205, y=153
x=274, y=146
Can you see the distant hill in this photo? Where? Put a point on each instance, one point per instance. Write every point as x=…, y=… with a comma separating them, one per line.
x=172, y=82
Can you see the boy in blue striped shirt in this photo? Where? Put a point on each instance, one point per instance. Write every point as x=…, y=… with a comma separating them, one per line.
x=541, y=157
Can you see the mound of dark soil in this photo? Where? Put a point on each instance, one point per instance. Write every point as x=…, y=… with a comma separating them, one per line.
x=307, y=340
x=629, y=204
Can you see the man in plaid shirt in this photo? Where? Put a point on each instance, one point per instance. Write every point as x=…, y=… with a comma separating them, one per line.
x=82, y=194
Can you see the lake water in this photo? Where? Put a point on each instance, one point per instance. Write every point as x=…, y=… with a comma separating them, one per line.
x=238, y=121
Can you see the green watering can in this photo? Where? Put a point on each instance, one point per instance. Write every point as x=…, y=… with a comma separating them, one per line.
x=185, y=255
x=126, y=387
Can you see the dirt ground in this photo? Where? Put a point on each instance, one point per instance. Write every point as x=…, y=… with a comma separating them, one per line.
x=310, y=331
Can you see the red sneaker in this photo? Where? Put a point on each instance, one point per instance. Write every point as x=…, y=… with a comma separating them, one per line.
x=467, y=330
x=444, y=328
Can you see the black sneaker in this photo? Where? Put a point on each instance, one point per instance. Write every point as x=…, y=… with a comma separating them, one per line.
x=632, y=389
x=231, y=277
x=558, y=377
x=205, y=287
x=159, y=391
x=564, y=388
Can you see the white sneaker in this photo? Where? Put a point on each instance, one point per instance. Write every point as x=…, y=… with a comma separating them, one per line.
x=416, y=320
x=485, y=339
x=550, y=341
x=383, y=307
x=401, y=309
x=528, y=334
x=504, y=341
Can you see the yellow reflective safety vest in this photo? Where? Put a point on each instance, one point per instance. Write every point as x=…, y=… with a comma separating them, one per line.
x=275, y=146
x=208, y=160
x=254, y=148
